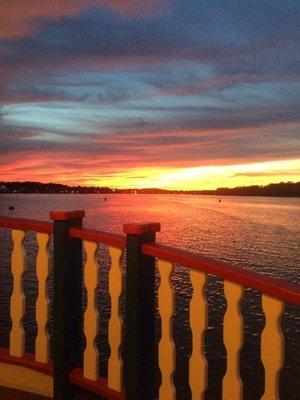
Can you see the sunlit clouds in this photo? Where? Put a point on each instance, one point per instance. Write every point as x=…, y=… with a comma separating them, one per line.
x=149, y=93
x=23, y=17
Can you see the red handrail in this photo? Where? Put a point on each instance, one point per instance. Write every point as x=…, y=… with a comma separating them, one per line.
x=280, y=289
x=25, y=224
x=111, y=239
x=100, y=386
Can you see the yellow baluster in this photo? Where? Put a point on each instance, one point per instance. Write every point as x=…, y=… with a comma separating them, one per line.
x=233, y=334
x=166, y=344
x=91, y=315
x=42, y=342
x=198, y=323
x=17, y=302
x=272, y=346
x=115, y=365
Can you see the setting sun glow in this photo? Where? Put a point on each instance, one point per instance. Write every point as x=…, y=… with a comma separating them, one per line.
x=204, y=177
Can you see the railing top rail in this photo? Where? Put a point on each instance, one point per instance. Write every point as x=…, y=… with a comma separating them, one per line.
x=26, y=224
x=274, y=287
x=93, y=235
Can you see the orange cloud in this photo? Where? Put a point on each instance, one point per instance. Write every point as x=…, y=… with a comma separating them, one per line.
x=121, y=172
x=17, y=17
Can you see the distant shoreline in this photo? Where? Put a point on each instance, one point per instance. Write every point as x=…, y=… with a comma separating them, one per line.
x=288, y=189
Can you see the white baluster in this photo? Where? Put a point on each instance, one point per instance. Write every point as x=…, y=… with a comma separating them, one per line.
x=42, y=342
x=91, y=315
x=17, y=302
x=233, y=334
x=198, y=323
x=115, y=365
x=166, y=344
x=272, y=346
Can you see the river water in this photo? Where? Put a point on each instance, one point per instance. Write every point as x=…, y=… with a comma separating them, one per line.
x=252, y=232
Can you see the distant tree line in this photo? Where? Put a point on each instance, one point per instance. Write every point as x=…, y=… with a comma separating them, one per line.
x=288, y=189
x=38, y=187
x=283, y=189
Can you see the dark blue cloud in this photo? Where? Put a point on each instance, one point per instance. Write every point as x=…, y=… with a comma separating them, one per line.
x=216, y=31
x=184, y=77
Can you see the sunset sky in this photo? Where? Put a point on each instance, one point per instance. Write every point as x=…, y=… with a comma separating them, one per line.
x=150, y=93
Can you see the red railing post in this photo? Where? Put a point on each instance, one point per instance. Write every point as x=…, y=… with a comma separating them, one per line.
x=67, y=300
x=140, y=348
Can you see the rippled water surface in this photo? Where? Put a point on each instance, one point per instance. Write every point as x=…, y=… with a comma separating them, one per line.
x=255, y=233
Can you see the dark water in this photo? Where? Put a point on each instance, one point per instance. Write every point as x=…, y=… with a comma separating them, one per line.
x=255, y=233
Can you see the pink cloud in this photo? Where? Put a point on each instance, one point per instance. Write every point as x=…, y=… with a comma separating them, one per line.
x=17, y=17
x=113, y=155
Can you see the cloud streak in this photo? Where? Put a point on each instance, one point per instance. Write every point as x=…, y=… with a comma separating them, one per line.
x=23, y=17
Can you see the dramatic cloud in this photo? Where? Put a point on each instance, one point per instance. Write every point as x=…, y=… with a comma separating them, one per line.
x=22, y=17
x=147, y=84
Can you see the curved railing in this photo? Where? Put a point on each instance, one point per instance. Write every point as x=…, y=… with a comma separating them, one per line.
x=275, y=287
x=35, y=369
x=133, y=377
x=89, y=377
x=275, y=293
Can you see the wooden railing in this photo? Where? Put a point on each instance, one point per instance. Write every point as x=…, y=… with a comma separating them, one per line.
x=274, y=295
x=134, y=377
x=116, y=244
x=34, y=371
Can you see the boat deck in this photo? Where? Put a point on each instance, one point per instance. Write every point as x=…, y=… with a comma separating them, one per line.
x=12, y=394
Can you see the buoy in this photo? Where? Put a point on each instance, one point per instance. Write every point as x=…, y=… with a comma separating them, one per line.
x=105, y=199
x=11, y=208
x=220, y=200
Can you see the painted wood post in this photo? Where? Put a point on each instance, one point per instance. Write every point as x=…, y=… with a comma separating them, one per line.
x=67, y=300
x=140, y=348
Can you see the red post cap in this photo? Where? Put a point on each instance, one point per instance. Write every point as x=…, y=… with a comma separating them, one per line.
x=66, y=215
x=142, y=228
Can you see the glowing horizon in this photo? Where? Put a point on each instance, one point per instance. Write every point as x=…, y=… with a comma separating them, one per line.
x=192, y=178
x=203, y=178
